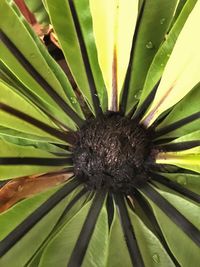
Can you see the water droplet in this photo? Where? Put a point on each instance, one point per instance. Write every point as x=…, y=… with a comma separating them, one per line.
x=162, y=21
x=138, y=94
x=156, y=258
x=162, y=64
x=73, y=100
x=168, y=55
x=181, y=179
x=149, y=45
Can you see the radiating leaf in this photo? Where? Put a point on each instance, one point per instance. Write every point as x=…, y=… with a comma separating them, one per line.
x=26, y=44
x=93, y=250
x=188, y=137
x=19, y=189
x=186, y=251
x=184, y=160
x=187, y=157
x=117, y=245
x=24, y=249
x=9, y=97
x=23, y=90
x=62, y=244
x=113, y=35
x=182, y=70
x=87, y=29
x=59, y=73
x=20, y=138
x=38, y=9
x=106, y=29
x=160, y=60
x=98, y=245
x=151, y=249
x=35, y=53
x=62, y=22
x=154, y=24
x=180, y=6
x=190, y=181
x=188, y=106
x=14, y=171
x=14, y=216
x=65, y=218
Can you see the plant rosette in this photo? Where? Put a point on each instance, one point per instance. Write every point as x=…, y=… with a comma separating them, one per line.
x=101, y=166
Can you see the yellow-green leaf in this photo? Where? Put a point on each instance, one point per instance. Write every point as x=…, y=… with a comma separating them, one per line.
x=182, y=70
x=113, y=34
x=184, y=160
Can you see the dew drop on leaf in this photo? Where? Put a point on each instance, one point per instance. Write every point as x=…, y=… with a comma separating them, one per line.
x=138, y=94
x=181, y=180
x=73, y=100
x=162, y=21
x=149, y=45
x=156, y=258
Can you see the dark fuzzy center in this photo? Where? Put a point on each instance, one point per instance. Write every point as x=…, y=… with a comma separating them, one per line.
x=111, y=152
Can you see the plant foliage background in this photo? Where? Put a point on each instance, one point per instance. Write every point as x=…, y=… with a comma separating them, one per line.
x=139, y=57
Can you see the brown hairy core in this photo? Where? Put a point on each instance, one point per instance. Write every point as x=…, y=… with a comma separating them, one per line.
x=111, y=152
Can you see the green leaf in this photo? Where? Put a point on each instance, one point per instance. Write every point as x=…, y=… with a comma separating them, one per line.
x=12, y=150
x=188, y=137
x=25, y=248
x=152, y=29
x=98, y=245
x=62, y=22
x=62, y=244
x=118, y=254
x=58, y=72
x=73, y=210
x=186, y=107
x=22, y=139
x=10, y=61
x=38, y=9
x=189, y=181
x=26, y=44
x=180, y=6
x=184, y=160
x=32, y=49
x=185, y=250
x=151, y=249
x=87, y=30
x=11, y=98
x=31, y=96
x=9, y=220
x=160, y=60
x=181, y=73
